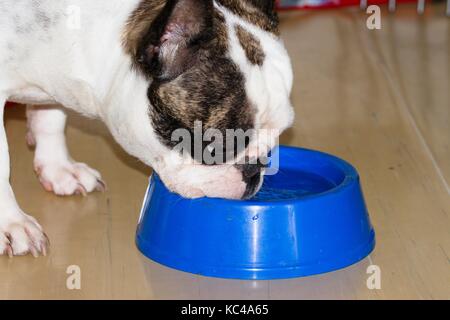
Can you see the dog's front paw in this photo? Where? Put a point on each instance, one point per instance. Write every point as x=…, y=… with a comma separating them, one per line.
x=20, y=235
x=69, y=178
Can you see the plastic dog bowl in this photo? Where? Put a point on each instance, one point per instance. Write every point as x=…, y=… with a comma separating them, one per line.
x=307, y=219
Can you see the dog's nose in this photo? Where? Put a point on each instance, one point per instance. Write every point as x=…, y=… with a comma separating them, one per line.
x=251, y=174
x=251, y=169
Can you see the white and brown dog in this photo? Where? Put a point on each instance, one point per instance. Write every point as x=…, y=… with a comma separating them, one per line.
x=146, y=68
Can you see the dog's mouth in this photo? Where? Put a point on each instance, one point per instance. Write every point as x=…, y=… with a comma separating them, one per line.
x=221, y=181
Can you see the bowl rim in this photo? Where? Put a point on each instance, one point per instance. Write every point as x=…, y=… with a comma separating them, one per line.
x=351, y=176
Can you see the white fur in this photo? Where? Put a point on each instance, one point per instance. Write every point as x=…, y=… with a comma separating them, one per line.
x=44, y=61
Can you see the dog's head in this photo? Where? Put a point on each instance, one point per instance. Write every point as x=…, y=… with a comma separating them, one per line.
x=219, y=85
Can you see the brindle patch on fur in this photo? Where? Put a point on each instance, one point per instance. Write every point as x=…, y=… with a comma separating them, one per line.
x=251, y=46
x=258, y=12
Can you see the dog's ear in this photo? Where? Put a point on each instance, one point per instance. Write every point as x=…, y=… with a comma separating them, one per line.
x=177, y=34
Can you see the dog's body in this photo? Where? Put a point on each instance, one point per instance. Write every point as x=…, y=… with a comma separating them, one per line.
x=140, y=66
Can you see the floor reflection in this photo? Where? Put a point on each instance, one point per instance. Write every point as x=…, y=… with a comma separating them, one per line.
x=167, y=283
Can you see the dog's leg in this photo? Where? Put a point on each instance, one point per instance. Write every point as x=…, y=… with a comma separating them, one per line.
x=55, y=168
x=19, y=232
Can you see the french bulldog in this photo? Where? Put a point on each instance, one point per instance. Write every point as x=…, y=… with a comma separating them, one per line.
x=146, y=68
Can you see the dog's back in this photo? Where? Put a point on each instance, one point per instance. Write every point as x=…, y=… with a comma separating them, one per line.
x=49, y=42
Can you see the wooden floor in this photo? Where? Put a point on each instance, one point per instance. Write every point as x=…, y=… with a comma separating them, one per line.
x=379, y=99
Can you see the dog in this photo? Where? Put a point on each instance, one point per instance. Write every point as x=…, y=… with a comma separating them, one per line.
x=146, y=68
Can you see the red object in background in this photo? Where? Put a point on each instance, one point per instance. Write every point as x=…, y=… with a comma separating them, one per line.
x=282, y=5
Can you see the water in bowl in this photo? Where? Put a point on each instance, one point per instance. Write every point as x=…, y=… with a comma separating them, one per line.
x=292, y=184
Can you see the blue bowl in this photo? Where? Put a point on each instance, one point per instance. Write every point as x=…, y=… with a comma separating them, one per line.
x=309, y=218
